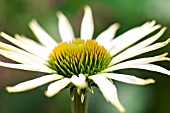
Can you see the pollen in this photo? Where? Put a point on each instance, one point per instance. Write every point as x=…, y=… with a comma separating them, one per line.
x=79, y=56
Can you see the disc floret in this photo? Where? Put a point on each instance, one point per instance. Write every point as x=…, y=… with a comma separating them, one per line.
x=79, y=56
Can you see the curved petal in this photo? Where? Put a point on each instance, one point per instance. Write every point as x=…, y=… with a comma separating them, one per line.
x=79, y=81
x=65, y=29
x=32, y=43
x=131, y=33
x=131, y=52
x=28, y=67
x=135, y=36
x=55, y=87
x=10, y=48
x=87, y=25
x=152, y=67
x=128, y=79
x=150, y=40
x=40, y=54
x=31, y=84
x=109, y=90
x=18, y=57
x=107, y=35
x=42, y=36
x=149, y=24
x=140, y=61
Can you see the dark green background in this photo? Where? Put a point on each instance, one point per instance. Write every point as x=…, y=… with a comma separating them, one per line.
x=14, y=18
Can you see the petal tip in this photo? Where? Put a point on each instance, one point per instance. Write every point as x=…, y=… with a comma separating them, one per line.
x=17, y=36
x=32, y=22
x=119, y=107
x=122, y=110
x=165, y=54
x=48, y=94
x=150, y=81
x=117, y=25
x=2, y=34
x=59, y=14
x=9, y=89
x=164, y=28
x=168, y=40
x=87, y=8
x=153, y=21
x=157, y=26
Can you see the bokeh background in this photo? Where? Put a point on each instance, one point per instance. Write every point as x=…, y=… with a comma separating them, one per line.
x=14, y=18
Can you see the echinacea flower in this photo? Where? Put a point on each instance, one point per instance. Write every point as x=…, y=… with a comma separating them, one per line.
x=84, y=62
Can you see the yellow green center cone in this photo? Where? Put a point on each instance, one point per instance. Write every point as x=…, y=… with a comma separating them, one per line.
x=79, y=56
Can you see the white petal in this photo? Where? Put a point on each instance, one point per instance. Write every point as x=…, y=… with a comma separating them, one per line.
x=109, y=90
x=122, y=37
x=149, y=24
x=32, y=43
x=108, y=34
x=31, y=84
x=29, y=67
x=131, y=52
x=87, y=25
x=79, y=81
x=23, y=46
x=82, y=77
x=42, y=36
x=17, y=50
x=128, y=79
x=132, y=38
x=55, y=87
x=65, y=29
x=139, y=61
x=152, y=67
x=18, y=57
x=150, y=40
x=130, y=33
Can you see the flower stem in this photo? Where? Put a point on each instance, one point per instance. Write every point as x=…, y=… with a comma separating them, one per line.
x=77, y=105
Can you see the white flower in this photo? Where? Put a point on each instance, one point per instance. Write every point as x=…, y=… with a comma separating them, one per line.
x=84, y=62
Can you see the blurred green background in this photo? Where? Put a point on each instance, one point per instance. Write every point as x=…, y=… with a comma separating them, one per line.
x=14, y=18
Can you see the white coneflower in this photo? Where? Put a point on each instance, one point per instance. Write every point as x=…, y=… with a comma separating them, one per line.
x=84, y=62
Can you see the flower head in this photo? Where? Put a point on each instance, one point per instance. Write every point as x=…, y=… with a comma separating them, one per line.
x=84, y=62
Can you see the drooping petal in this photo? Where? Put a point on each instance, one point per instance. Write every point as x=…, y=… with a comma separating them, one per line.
x=18, y=57
x=149, y=24
x=29, y=67
x=140, y=61
x=31, y=84
x=130, y=33
x=87, y=25
x=109, y=90
x=55, y=87
x=135, y=36
x=152, y=67
x=32, y=43
x=11, y=48
x=79, y=81
x=42, y=36
x=122, y=37
x=107, y=35
x=40, y=54
x=65, y=29
x=131, y=52
x=150, y=40
x=128, y=79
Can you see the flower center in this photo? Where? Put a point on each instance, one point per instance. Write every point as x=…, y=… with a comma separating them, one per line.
x=79, y=56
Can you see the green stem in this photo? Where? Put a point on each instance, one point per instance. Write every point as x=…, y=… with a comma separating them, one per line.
x=77, y=105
